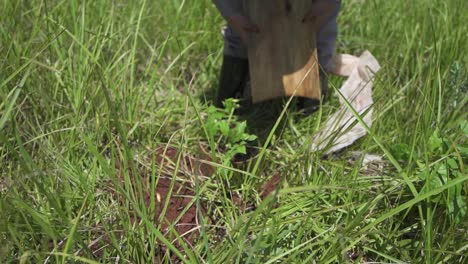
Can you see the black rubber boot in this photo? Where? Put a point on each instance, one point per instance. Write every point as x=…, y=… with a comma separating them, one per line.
x=232, y=80
x=308, y=106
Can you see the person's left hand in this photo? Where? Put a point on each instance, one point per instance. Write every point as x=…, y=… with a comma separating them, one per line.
x=242, y=26
x=321, y=10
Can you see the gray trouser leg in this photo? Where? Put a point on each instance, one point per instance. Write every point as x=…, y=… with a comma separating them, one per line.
x=326, y=40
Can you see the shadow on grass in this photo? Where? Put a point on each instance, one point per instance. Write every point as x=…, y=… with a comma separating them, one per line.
x=260, y=117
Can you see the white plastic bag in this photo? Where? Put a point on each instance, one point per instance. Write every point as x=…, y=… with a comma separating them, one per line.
x=343, y=128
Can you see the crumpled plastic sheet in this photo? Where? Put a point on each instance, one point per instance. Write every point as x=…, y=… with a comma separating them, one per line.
x=343, y=128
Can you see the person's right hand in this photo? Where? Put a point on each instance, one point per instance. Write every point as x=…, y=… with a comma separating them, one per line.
x=242, y=26
x=321, y=11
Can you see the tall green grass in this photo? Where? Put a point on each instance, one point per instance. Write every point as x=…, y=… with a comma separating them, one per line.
x=88, y=84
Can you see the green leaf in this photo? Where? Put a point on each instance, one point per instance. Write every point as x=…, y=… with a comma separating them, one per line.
x=463, y=150
x=435, y=142
x=401, y=151
x=248, y=137
x=463, y=123
x=425, y=172
x=462, y=207
x=240, y=149
x=230, y=105
x=442, y=171
x=436, y=182
x=452, y=163
x=224, y=128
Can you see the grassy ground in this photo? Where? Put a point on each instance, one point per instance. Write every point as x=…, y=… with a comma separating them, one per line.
x=86, y=85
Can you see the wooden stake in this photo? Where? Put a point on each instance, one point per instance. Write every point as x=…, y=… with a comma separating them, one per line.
x=283, y=56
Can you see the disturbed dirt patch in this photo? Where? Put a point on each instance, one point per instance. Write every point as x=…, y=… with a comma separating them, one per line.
x=172, y=193
x=181, y=211
x=270, y=186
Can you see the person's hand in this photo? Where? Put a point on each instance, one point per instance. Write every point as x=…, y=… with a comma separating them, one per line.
x=319, y=13
x=242, y=26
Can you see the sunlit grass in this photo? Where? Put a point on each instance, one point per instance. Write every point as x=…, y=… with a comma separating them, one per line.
x=89, y=90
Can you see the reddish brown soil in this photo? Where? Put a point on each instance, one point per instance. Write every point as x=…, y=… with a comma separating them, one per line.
x=270, y=186
x=178, y=190
x=175, y=207
x=178, y=200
